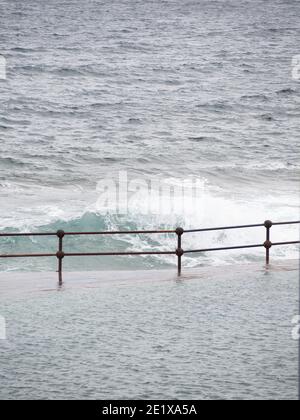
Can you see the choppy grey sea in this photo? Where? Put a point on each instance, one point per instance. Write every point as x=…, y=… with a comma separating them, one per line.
x=158, y=89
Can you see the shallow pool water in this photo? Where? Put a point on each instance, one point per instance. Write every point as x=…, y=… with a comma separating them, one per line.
x=213, y=334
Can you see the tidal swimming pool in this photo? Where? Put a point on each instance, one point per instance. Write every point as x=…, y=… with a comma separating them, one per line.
x=218, y=333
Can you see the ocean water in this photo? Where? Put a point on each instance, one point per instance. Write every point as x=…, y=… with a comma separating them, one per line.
x=150, y=335
x=166, y=89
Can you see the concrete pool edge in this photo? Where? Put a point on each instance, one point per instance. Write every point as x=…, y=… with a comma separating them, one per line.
x=12, y=283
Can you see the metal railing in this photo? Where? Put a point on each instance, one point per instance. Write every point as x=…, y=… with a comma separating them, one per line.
x=179, y=252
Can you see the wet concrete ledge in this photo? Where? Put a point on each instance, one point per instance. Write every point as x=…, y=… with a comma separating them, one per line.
x=12, y=283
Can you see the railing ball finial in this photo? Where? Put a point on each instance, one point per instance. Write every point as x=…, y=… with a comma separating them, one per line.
x=179, y=252
x=60, y=255
x=60, y=233
x=268, y=244
x=268, y=224
x=179, y=231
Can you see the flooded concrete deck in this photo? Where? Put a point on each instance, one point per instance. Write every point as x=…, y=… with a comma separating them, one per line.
x=16, y=282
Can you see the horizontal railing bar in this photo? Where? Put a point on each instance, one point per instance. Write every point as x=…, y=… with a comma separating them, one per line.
x=126, y=232
x=141, y=232
x=286, y=223
x=26, y=234
x=223, y=228
x=286, y=243
x=91, y=254
x=107, y=254
x=26, y=255
x=240, y=247
x=223, y=248
x=238, y=227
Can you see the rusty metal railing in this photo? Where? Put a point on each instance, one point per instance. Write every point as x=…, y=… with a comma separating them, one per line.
x=179, y=252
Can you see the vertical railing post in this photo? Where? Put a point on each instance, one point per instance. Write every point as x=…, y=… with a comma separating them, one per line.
x=268, y=244
x=60, y=255
x=179, y=250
